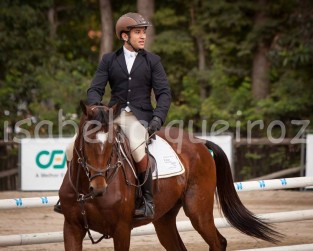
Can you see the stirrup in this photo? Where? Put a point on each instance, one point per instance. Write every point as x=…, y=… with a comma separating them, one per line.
x=145, y=211
x=57, y=208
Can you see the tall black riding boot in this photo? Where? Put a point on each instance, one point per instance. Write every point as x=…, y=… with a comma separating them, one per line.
x=146, y=210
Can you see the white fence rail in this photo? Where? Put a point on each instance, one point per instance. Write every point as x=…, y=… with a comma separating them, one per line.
x=239, y=186
x=183, y=226
x=303, y=247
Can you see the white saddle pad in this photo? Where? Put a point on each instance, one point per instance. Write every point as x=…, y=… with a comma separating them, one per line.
x=168, y=163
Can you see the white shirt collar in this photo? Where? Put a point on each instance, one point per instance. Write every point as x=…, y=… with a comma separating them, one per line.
x=129, y=54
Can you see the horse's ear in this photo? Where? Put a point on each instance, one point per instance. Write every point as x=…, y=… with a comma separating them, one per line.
x=116, y=110
x=84, y=107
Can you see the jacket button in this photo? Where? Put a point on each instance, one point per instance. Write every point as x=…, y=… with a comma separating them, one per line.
x=129, y=90
x=129, y=78
x=127, y=102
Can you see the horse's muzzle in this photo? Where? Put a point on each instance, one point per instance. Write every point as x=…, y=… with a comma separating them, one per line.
x=96, y=192
x=97, y=185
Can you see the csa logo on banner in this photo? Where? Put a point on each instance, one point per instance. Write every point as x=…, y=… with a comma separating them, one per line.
x=56, y=159
x=43, y=163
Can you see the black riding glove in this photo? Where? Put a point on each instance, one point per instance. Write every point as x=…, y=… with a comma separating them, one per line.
x=154, y=125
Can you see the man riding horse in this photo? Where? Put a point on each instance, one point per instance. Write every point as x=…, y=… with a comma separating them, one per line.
x=100, y=163
x=132, y=73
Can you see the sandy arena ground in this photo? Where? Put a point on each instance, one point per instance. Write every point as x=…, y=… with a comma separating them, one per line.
x=36, y=220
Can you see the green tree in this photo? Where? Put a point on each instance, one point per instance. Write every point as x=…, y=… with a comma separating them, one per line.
x=36, y=63
x=23, y=47
x=50, y=50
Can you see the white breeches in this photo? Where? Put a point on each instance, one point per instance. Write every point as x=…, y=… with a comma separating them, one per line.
x=135, y=132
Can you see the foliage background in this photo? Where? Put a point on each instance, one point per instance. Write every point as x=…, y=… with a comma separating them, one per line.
x=208, y=49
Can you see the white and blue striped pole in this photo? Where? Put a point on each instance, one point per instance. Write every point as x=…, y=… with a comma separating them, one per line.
x=274, y=184
x=260, y=185
x=45, y=201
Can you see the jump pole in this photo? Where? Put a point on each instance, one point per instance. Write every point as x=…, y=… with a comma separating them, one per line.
x=259, y=185
x=303, y=247
x=183, y=226
x=48, y=201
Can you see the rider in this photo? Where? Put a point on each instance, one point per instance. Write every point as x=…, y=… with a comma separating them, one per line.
x=132, y=73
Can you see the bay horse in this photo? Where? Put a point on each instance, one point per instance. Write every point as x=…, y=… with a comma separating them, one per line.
x=99, y=189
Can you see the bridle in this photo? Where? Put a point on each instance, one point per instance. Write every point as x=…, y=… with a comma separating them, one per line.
x=119, y=153
x=82, y=161
x=108, y=173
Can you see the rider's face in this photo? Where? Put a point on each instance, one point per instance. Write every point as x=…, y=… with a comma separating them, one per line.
x=138, y=38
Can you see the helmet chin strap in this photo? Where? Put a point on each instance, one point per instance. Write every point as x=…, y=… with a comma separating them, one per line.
x=136, y=50
x=128, y=41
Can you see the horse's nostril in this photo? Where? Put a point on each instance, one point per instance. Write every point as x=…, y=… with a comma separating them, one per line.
x=96, y=192
x=100, y=193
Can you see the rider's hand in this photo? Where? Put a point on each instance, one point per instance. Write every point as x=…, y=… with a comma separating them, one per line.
x=154, y=125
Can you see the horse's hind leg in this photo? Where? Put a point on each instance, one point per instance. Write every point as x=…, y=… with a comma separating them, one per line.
x=167, y=231
x=198, y=206
x=223, y=240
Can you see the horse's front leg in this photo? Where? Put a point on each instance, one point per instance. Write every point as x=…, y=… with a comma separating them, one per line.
x=121, y=237
x=73, y=236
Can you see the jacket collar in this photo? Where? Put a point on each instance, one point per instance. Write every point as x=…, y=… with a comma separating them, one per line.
x=121, y=60
x=120, y=51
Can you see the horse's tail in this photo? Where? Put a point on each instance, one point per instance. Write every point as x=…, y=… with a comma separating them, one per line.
x=235, y=212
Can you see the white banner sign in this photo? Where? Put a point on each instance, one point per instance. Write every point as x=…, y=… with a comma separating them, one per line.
x=43, y=163
x=309, y=155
